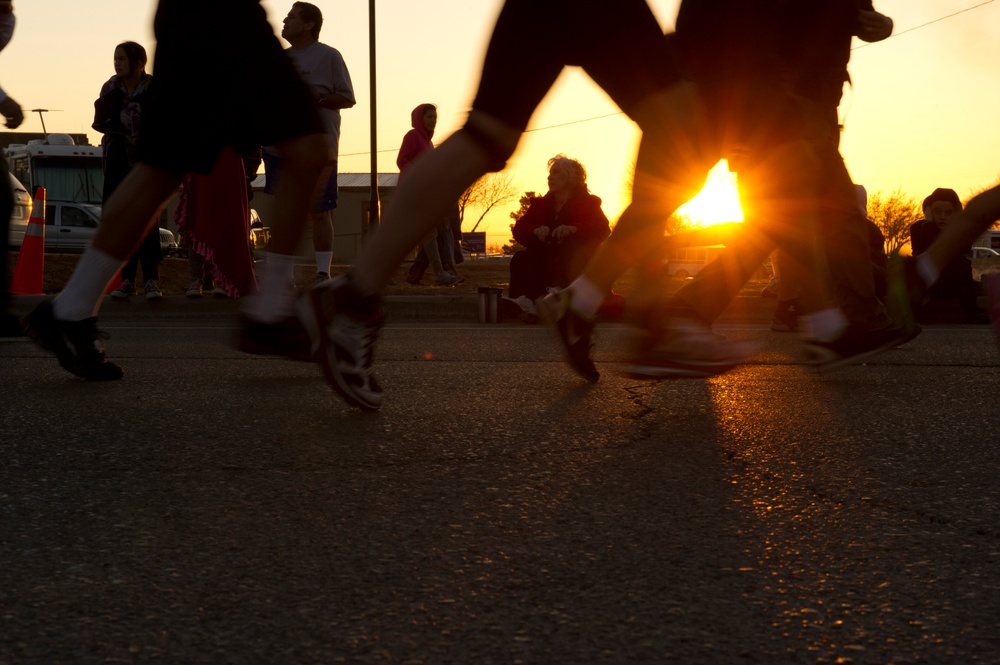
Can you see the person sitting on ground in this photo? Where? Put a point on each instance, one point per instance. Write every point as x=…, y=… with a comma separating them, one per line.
x=956, y=279
x=559, y=231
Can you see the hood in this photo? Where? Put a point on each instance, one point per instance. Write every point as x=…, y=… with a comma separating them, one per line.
x=417, y=121
x=942, y=194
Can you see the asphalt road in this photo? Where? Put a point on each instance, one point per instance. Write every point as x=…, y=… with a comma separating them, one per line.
x=220, y=508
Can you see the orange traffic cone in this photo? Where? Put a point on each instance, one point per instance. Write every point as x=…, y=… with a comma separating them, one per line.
x=29, y=273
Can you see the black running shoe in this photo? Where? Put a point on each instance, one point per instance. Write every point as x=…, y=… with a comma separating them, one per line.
x=287, y=338
x=575, y=332
x=344, y=327
x=77, y=345
x=855, y=346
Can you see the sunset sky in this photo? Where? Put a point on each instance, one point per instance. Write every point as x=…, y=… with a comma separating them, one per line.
x=924, y=111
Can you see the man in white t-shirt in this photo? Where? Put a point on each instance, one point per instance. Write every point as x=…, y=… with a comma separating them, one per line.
x=324, y=70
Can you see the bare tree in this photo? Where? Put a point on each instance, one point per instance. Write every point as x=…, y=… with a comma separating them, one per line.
x=489, y=192
x=524, y=202
x=894, y=214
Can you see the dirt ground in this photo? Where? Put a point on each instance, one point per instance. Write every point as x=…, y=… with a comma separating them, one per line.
x=477, y=272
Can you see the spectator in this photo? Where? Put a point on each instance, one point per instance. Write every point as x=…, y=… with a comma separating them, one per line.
x=438, y=248
x=213, y=218
x=323, y=69
x=117, y=114
x=956, y=281
x=559, y=232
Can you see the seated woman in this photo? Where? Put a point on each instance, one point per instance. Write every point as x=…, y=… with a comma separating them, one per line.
x=956, y=281
x=559, y=232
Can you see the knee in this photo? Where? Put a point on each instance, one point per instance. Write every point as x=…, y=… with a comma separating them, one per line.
x=306, y=154
x=494, y=137
x=984, y=209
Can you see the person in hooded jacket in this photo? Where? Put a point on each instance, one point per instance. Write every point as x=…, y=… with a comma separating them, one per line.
x=956, y=280
x=439, y=246
x=559, y=232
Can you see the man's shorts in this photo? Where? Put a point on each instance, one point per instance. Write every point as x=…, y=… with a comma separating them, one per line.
x=221, y=78
x=272, y=170
x=617, y=42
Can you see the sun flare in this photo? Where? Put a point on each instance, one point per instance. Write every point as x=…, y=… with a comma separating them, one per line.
x=718, y=201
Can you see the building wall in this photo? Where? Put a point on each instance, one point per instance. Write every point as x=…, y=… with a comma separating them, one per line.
x=349, y=220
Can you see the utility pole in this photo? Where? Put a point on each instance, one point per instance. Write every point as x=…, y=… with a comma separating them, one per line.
x=373, y=202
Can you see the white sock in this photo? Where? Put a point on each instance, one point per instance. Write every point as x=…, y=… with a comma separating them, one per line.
x=927, y=270
x=323, y=261
x=81, y=297
x=276, y=299
x=825, y=325
x=585, y=298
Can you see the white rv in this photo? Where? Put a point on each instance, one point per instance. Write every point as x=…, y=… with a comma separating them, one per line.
x=69, y=173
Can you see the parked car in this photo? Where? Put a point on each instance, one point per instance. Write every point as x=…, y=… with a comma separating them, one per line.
x=69, y=227
x=22, y=211
x=168, y=243
x=984, y=253
x=260, y=235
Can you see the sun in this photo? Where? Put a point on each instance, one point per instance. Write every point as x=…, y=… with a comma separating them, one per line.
x=718, y=201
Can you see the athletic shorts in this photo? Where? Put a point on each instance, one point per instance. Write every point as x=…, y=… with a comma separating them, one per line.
x=617, y=42
x=272, y=171
x=221, y=78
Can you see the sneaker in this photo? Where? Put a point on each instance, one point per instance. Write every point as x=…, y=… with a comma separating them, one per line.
x=526, y=305
x=194, y=291
x=343, y=328
x=448, y=279
x=686, y=349
x=77, y=345
x=321, y=277
x=855, y=346
x=287, y=338
x=152, y=290
x=219, y=292
x=414, y=282
x=905, y=291
x=786, y=317
x=123, y=292
x=575, y=332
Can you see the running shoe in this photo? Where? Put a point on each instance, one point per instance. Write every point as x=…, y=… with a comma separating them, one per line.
x=321, y=277
x=856, y=345
x=194, y=291
x=686, y=349
x=575, y=332
x=77, y=345
x=287, y=338
x=344, y=327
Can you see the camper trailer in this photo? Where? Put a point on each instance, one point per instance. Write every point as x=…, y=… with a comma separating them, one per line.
x=69, y=173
